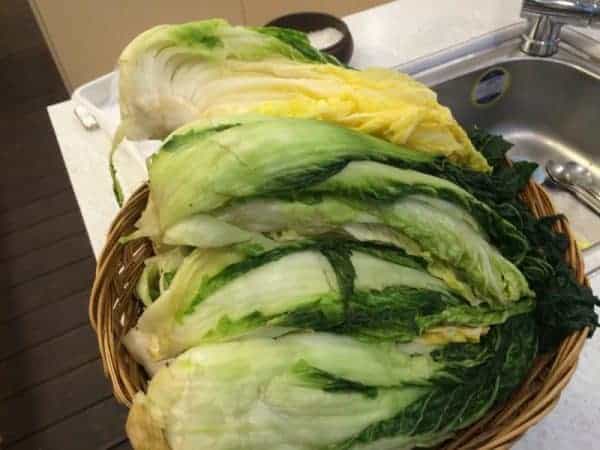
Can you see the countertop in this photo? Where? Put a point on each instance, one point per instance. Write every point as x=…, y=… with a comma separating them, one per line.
x=387, y=36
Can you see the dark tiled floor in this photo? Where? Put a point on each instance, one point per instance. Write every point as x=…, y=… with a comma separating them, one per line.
x=53, y=395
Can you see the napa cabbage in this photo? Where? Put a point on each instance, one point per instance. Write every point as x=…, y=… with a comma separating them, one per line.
x=306, y=391
x=173, y=74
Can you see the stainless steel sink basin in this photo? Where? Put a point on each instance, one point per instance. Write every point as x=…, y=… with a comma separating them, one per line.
x=549, y=108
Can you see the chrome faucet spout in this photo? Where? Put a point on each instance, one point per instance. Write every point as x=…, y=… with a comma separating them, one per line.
x=546, y=18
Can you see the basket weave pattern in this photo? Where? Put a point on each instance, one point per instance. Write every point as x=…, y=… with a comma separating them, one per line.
x=114, y=310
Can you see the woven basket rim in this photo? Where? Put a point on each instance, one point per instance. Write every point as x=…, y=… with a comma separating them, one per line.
x=113, y=310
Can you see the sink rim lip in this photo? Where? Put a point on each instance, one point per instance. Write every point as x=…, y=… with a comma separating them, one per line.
x=436, y=76
x=473, y=47
x=577, y=51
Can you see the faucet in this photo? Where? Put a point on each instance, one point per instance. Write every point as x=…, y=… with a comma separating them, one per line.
x=546, y=18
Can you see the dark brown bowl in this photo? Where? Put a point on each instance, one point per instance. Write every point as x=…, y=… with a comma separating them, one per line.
x=313, y=21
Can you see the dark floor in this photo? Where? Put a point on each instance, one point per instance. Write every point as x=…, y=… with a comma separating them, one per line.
x=53, y=395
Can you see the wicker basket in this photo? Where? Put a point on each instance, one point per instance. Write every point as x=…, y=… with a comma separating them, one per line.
x=114, y=310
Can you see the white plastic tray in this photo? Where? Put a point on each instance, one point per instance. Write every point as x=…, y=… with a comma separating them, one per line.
x=100, y=98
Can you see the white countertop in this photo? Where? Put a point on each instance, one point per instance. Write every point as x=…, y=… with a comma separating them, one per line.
x=388, y=35
x=400, y=31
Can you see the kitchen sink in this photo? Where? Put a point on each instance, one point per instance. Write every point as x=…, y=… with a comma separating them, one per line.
x=549, y=108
